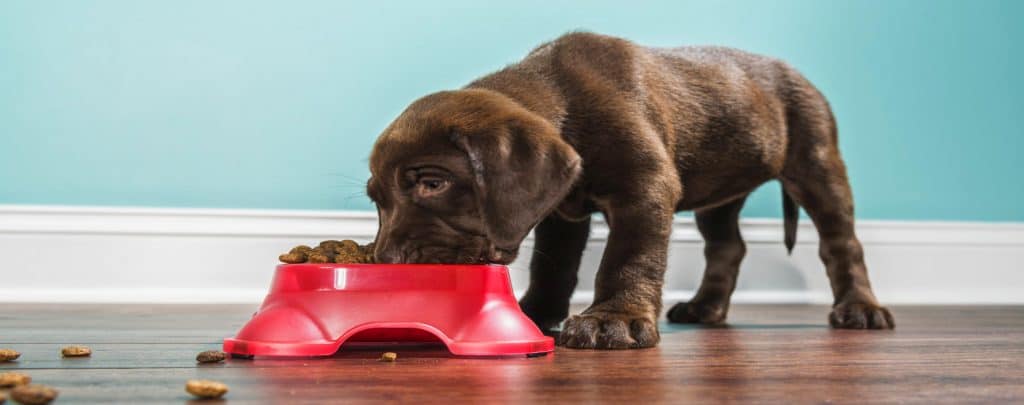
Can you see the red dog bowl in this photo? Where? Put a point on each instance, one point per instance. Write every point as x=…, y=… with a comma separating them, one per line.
x=312, y=309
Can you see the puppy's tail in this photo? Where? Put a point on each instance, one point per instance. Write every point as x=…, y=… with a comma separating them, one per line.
x=790, y=216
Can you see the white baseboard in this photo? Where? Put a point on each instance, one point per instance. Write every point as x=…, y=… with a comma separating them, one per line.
x=108, y=254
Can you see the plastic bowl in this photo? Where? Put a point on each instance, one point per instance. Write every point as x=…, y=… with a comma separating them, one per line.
x=313, y=309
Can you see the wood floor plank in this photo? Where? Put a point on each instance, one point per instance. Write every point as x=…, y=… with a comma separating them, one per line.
x=938, y=354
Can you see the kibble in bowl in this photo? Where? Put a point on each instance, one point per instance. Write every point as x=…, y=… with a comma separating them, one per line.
x=298, y=254
x=330, y=251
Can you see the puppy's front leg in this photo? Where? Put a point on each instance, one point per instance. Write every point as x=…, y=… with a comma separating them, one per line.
x=558, y=248
x=627, y=297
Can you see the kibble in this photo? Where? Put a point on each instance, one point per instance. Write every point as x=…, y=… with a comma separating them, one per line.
x=12, y=379
x=34, y=394
x=206, y=388
x=389, y=357
x=330, y=251
x=9, y=355
x=298, y=254
x=211, y=356
x=76, y=351
x=320, y=256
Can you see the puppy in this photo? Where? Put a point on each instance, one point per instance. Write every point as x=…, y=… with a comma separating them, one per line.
x=589, y=123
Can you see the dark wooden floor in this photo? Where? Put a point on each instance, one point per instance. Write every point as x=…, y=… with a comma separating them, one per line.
x=144, y=354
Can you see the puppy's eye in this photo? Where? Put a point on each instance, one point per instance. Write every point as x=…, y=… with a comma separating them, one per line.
x=429, y=186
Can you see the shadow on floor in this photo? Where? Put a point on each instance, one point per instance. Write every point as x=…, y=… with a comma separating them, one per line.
x=676, y=327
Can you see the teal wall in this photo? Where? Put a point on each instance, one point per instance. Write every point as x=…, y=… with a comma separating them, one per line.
x=275, y=105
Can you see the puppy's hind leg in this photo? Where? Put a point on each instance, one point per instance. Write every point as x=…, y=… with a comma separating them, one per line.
x=822, y=188
x=814, y=175
x=723, y=251
x=557, y=250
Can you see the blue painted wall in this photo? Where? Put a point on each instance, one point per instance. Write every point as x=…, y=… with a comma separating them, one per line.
x=275, y=105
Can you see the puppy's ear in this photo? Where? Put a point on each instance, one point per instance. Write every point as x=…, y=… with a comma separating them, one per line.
x=522, y=170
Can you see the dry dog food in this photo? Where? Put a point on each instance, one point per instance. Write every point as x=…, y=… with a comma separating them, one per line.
x=206, y=388
x=34, y=394
x=330, y=251
x=389, y=357
x=76, y=351
x=12, y=379
x=298, y=254
x=9, y=355
x=211, y=356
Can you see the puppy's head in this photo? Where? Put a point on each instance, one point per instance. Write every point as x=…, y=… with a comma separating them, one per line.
x=462, y=177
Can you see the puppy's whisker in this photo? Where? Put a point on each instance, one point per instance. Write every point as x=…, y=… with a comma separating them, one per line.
x=348, y=181
x=355, y=194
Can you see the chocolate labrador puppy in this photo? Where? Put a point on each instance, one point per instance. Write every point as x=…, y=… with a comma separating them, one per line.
x=590, y=123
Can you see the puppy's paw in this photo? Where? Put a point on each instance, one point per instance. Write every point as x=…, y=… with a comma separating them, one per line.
x=698, y=312
x=602, y=330
x=860, y=316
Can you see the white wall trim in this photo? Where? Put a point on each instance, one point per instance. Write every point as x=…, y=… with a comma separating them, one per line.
x=303, y=223
x=127, y=254
x=252, y=295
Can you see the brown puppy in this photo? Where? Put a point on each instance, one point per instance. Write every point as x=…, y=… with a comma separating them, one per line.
x=589, y=123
